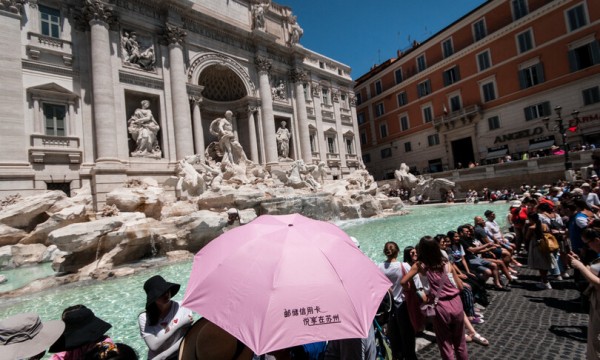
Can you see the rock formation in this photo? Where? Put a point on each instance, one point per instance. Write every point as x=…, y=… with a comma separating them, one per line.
x=428, y=188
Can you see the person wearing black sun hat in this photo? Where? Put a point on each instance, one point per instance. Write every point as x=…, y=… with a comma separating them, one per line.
x=165, y=322
x=83, y=330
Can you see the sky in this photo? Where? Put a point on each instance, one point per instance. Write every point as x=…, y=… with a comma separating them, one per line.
x=362, y=33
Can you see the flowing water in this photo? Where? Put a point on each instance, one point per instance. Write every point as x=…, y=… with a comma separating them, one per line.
x=120, y=301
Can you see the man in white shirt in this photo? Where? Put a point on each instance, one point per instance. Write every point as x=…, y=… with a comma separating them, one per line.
x=590, y=197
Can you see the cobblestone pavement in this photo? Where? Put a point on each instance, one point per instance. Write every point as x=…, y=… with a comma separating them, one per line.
x=528, y=323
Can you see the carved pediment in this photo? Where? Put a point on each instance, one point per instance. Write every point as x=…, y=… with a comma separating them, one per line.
x=52, y=89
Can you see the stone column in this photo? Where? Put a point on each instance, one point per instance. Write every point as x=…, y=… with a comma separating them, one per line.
x=72, y=131
x=264, y=65
x=37, y=119
x=198, y=130
x=357, y=145
x=184, y=144
x=253, y=134
x=99, y=16
x=299, y=77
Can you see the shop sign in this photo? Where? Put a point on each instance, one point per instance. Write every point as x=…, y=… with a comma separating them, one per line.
x=584, y=119
x=519, y=134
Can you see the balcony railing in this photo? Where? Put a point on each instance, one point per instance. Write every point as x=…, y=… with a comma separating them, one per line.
x=59, y=148
x=464, y=114
x=39, y=44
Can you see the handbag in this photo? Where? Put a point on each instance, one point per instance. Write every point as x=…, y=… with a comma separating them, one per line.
x=382, y=343
x=548, y=243
x=429, y=308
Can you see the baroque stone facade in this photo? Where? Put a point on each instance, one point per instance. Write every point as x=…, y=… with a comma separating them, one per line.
x=96, y=92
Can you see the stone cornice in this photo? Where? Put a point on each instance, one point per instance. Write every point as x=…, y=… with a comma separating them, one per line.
x=12, y=6
x=139, y=80
x=35, y=66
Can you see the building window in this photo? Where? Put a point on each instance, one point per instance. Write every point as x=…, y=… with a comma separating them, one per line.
x=321, y=65
x=366, y=158
x=584, y=56
x=421, y=63
x=404, y=123
x=519, y=8
x=447, y=48
x=398, y=76
x=50, y=21
x=386, y=153
x=525, y=41
x=576, y=17
x=479, y=30
x=455, y=103
x=484, y=60
x=363, y=138
x=378, y=87
x=325, y=93
x=358, y=99
x=537, y=111
x=424, y=88
x=488, y=91
x=531, y=76
x=383, y=130
x=331, y=145
x=427, y=114
x=407, y=147
x=451, y=76
x=54, y=118
x=360, y=118
x=379, y=110
x=433, y=140
x=349, y=146
x=494, y=123
x=402, y=99
x=591, y=95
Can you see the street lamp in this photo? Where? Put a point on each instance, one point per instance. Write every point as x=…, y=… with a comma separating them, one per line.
x=562, y=129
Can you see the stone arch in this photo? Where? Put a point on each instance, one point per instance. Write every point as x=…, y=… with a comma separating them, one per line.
x=229, y=65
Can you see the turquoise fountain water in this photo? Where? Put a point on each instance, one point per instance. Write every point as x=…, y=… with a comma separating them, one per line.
x=120, y=301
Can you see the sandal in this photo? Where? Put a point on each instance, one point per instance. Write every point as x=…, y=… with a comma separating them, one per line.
x=468, y=338
x=480, y=339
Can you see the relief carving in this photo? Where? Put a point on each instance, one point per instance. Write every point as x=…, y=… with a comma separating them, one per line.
x=97, y=10
x=263, y=63
x=133, y=53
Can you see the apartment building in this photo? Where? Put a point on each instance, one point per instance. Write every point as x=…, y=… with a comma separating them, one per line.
x=498, y=81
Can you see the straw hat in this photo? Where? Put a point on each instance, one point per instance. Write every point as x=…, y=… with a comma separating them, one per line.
x=81, y=327
x=156, y=286
x=585, y=185
x=577, y=191
x=515, y=204
x=25, y=335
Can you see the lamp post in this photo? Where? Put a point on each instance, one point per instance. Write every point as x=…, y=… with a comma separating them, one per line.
x=562, y=129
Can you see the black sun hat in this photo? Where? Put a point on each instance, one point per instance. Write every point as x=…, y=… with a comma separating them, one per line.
x=81, y=327
x=156, y=286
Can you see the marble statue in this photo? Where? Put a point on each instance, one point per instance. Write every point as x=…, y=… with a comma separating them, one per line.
x=258, y=15
x=427, y=188
x=144, y=129
x=296, y=31
x=134, y=55
x=283, y=141
x=229, y=148
x=278, y=92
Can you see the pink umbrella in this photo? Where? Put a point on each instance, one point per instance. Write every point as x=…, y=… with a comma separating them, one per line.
x=285, y=280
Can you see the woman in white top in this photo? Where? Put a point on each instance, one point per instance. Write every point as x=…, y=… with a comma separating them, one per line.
x=402, y=333
x=165, y=322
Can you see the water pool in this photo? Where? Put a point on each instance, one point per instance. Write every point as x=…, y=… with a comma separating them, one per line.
x=119, y=301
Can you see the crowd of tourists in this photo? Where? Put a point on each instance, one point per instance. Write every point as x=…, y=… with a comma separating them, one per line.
x=443, y=281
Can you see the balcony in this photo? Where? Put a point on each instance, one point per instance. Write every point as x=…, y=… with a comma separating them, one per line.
x=464, y=115
x=328, y=115
x=351, y=160
x=54, y=149
x=333, y=159
x=41, y=46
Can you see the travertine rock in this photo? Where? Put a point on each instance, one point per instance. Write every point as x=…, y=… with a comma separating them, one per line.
x=10, y=235
x=67, y=216
x=147, y=200
x=27, y=254
x=30, y=211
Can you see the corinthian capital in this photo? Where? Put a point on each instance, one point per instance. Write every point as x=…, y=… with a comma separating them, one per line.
x=263, y=63
x=97, y=10
x=298, y=75
x=174, y=34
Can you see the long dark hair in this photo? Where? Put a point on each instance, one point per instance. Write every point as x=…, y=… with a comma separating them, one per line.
x=391, y=243
x=534, y=218
x=430, y=254
x=407, y=257
x=152, y=314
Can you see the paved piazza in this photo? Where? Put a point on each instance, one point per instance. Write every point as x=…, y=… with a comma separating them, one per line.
x=528, y=323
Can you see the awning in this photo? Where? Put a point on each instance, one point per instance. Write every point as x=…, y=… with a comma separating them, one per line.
x=496, y=154
x=541, y=145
